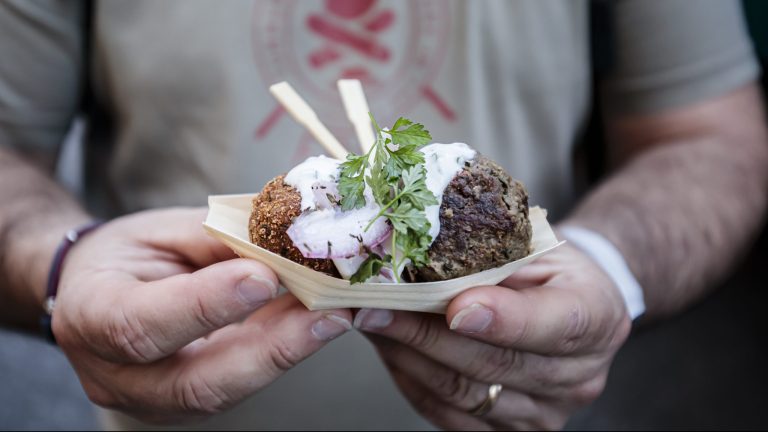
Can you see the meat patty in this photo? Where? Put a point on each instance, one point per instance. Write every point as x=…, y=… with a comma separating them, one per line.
x=483, y=224
x=273, y=212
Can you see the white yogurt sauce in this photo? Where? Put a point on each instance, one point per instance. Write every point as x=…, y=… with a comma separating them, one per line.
x=442, y=162
x=304, y=175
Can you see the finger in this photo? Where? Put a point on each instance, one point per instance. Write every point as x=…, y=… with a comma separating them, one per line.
x=544, y=319
x=526, y=372
x=437, y=412
x=152, y=320
x=238, y=361
x=501, y=417
x=451, y=386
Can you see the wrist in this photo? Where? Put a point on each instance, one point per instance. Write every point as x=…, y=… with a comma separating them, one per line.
x=606, y=256
x=71, y=237
x=32, y=245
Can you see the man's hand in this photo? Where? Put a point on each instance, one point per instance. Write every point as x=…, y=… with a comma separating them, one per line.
x=162, y=322
x=547, y=334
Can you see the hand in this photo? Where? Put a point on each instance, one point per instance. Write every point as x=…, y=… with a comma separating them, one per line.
x=547, y=334
x=160, y=321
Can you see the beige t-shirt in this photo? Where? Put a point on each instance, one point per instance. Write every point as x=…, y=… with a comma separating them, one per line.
x=188, y=86
x=179, y=109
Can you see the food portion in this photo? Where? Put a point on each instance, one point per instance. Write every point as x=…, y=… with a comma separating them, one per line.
x=274, y=210
x=403, y=212
x=483, y=224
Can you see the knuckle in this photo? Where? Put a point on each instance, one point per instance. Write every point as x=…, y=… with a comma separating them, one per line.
x=425, y=334
x=197, y=396
x=545, y=372
x=452, y=387
x=576, y=330
x=283, y=357
x=498, y=365
x=207, y=316
x=130, y=340
x=587, y=392
x=522, y=332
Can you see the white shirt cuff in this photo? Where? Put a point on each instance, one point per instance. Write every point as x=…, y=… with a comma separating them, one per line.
x=610, y=260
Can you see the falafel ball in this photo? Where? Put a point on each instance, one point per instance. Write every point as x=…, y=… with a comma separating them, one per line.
x=274, y=209
x=483, y=224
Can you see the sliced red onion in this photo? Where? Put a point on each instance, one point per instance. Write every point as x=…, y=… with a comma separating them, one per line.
x=331, y=233
x=386, y=275
x=326, y=194
x=349, y=266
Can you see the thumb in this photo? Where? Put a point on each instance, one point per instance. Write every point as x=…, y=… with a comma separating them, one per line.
x=237, y=361
x=159, y=317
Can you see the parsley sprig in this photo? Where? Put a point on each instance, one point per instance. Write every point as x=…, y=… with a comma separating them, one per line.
x=394, y=170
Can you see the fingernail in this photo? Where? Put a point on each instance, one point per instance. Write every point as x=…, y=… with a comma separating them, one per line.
x=255, y=290
x=330, y=327
x=373, y=319
x=472, y=319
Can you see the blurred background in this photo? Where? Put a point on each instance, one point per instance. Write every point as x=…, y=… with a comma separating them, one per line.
x=705, y=369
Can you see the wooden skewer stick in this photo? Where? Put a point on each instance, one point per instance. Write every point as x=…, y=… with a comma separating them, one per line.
x=304, y=115
x=357, y=111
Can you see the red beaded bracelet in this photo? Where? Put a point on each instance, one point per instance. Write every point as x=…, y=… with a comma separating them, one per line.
x=70, y=238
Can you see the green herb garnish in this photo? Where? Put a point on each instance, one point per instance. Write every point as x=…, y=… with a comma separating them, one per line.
x=371, y=266
x=394, y=170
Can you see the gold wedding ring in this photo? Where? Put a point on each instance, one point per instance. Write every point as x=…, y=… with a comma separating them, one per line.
x=493, y=396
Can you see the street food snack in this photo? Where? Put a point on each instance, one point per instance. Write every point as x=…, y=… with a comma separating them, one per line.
x=407, y=224
x=406, y=211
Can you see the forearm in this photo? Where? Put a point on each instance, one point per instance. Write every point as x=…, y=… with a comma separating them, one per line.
x=682, y=213
x=34, y=215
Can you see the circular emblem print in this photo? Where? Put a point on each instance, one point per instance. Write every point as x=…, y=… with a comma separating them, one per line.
x=394, y=48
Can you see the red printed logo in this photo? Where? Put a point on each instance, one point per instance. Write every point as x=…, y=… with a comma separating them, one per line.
x=394, y=48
